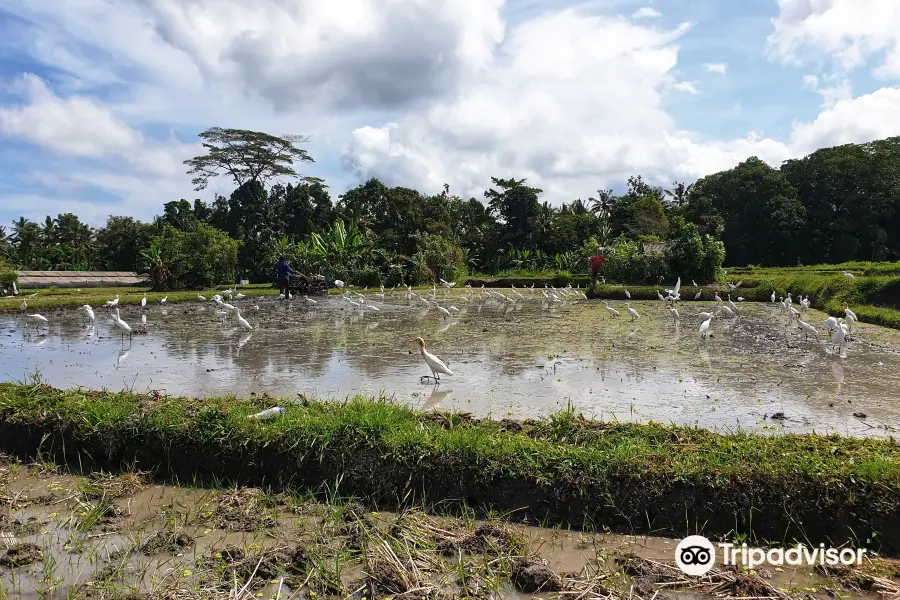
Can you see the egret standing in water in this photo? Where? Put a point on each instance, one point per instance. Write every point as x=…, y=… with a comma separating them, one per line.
x=244, y=323
x=436, y=365
x=122, y=325
x=89, y=312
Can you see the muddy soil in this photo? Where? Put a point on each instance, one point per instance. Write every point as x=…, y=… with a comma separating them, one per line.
x=521, y=359
x=121, y=536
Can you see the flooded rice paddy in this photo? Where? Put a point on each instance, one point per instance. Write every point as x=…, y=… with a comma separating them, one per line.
x=521, y=359
x=105, y=536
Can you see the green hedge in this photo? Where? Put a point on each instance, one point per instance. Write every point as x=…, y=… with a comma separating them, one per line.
x=563, y=469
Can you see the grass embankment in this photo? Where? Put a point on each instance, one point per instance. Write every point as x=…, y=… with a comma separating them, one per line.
x=563, y=469
x=54, y=298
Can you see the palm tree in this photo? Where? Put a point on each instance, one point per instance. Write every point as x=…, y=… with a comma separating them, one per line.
x=602, y=204
x=679, y=193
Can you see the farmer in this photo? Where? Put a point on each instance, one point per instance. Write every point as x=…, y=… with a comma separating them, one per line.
x=282, y=270
x=596, y=262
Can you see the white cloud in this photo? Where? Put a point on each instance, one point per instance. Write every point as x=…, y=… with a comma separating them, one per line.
x=686, y=86
x=76, y=125
x=571, y=99
x=646, y=12
x=846, y=33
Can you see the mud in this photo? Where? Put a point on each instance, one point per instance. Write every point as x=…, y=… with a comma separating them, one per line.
x=166, y=542
x=519, y=360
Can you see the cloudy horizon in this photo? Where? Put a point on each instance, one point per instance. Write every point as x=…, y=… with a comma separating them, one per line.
x=100, y=102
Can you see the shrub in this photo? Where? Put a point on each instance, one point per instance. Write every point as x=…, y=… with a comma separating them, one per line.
x=201, y=258
x=627, y=262
x=8, y=274
x=692, y=255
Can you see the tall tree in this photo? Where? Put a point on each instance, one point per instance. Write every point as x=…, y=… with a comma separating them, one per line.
x=515, y=205
x=248, y=157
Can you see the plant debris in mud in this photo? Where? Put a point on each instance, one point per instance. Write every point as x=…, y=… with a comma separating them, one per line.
x=531, y=575
x=243, y=509
x=20, y=555
x=166, y=541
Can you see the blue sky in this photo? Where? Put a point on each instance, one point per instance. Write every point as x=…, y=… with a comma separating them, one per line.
x=100, y=103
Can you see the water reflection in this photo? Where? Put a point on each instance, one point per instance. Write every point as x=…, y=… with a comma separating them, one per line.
x=509, y=359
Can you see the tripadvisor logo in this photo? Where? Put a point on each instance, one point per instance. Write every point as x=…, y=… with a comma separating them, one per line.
x=695, y=555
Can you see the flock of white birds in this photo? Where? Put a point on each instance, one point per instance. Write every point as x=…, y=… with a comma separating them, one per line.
x=548, y=296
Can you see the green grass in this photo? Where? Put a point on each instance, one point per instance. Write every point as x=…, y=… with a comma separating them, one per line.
x=654, y=478
x=53, y=298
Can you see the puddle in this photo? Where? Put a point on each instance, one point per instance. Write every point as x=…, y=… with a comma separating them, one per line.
x=509, y=360
x=162, y=539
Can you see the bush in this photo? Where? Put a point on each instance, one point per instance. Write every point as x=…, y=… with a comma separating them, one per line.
x=8, y=275
x=197, y=259
x=442, y=257
x=627, y=262
x=691, y=255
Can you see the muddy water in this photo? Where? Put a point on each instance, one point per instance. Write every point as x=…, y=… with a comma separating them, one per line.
x=74, y=557
x=523, y=359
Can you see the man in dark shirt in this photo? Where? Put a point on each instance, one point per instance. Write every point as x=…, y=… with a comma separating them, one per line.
x=282, y=270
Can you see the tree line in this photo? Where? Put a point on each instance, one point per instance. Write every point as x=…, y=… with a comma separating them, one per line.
x=837, y=204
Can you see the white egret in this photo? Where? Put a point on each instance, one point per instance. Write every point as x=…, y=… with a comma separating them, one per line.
x=143, y=318
x=453, y=309
x=222, y=314
x=725, y=309
x=612, y=311
x=144, y=301
x=731, y=304
x=660, y=296
x=444, y=311
x=309, y=300
x=113, y=302
x=695, y=283
x=831, y=324
x=239, y=296
x=849, y=275
x=705, y=315
x=772, y=297
x=122, y=325
x=436, y=365
x=627, y=294
x=164, y=298
x=24, y=305
x=89, y=312
x=704, y=327
x=201, y=298
x=243, y=322
x=849, y=313
x=808, y=329
x=40, y=319
x=697, y=295
x=634, y=314
x=15, y=289
x=338, y=283
x=718, y=298
x=674, y=312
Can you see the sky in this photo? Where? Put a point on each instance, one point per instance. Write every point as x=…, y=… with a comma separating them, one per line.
x=101, y=101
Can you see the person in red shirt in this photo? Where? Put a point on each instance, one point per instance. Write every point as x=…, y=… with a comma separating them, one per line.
x=596, y=262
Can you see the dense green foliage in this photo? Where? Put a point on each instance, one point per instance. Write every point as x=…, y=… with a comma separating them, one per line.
x=837, y=204
x=563, y=467
x=199, y=257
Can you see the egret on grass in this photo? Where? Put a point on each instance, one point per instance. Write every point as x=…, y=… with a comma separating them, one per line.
x=674, y=312
x=113, y=302
x=612, y=311
x=849, y=275
x=144, y=301
x=627, y=294
x=164, y=298
x=201, y=298
x=634, y=314
x=436, y=365
x=697, y=295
